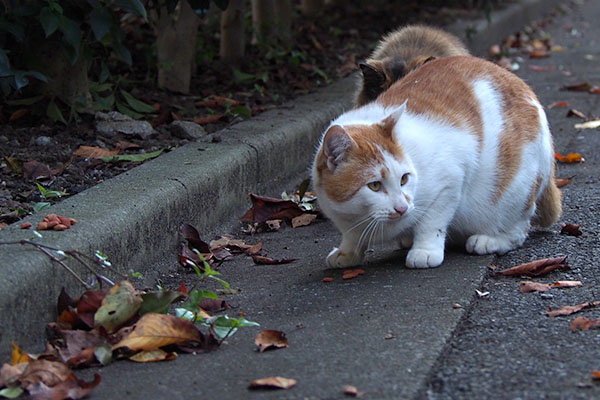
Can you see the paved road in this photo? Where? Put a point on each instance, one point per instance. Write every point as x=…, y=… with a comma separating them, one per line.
x=506, y=347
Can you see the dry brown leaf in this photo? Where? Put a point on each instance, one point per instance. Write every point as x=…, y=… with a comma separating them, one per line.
x=584, y=324
x=352, y=391
x=20, y=113
x=209, y=119
x=537, y=267
x=541, y=68
x=269, y=339
x=571, y=229
x=594, y=90
x=529, y=286
x=327, y=279
x=37, y=170
x=568, y=310
x=303, y=220
x=95, y=152
x=262, y=260
x=561, y=182
x=578, y=87
x=71, y=388
x=558, y=104
x=539, y=53
x=272, y=382
x=573, y=112
x=51, y=373
x=566, y=284
x=270, y=208
x=153, y=356
x=596, y=374
x=18, y=356
x=154, y=330
x=569, y=158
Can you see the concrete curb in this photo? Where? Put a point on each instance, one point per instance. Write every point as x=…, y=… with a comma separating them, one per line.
x=134, y=217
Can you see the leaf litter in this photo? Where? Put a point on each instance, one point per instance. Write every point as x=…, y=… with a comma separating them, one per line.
x=537, y=267
x=272, y=382
x=269, y=339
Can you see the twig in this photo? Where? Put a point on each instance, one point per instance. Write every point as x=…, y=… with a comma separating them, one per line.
x=65, y=266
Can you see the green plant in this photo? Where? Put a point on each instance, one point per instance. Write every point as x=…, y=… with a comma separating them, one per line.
x=46, y=194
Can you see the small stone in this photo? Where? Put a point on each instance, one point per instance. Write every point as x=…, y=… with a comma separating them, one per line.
x=42, y=141
x=546, y=296
x=112, y=123
x=3, y=139
x=187, y=130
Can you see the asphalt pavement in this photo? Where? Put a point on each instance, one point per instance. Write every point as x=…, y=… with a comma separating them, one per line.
x=392, y=332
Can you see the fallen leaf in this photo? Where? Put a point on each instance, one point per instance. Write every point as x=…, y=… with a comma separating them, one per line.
x=9, y=374
x=270, y=208
x=70, y=346
x=209, y=304
x=262, y=260
x=154, y=330
x=269, y=339
x=273, y=382
x=88, y=304
x=558, y=104
x=255, y=249
x=541, y=68
x=537, y=267
x=37, y=170
x=273, y=225
x=584, y=324
x=589, y=125
x=571, y=229
x=158, y=301
x=350, y=274
x=303, y=220
x=119, y=305
x=50, y=373
x=153, y=356
x=594, y=90
x=217, y=101
x=21, y=112
x=529, y=286
x=71, y=388
x=185, y=255
x=569, y=158
x=328, y=279
x=209, y=119
x=182, y=288
x=95, y=152
x=539, y=53
x=566, y=284
x=561, y=182
x=568, y=310
x=192, y=236
x=18, y=356
x=578, y=87
x=596, y=374
x=124, y=145
x=352, y=391
x=573, y=112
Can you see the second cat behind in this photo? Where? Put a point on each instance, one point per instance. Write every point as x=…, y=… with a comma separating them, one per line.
x=460, y=149
x=400, y=52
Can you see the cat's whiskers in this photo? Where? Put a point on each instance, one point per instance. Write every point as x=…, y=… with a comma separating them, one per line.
x=360, y=222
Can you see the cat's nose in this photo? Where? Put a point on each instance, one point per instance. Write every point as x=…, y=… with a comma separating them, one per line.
x=400, y=209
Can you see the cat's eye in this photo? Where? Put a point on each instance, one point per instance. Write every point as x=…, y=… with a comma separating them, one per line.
x=404, y=179
x=374, y=186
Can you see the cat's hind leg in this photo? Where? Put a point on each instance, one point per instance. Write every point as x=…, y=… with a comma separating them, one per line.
x=500, y=243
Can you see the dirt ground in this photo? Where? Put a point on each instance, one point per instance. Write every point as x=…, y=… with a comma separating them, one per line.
x=33, y=148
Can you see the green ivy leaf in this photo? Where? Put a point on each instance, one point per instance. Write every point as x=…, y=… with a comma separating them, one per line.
x=132, y=6
x=101, y=21
x=223, y=326
x=49, y=21
x=132, y=157
x=123, y=109
x=20, y=79
x=242, y=111
x=18, y=31
x=72, y=35
x=11, y=393
x=242, y=77
x=136, y=104
x=25, y=102
x=54, y=112
x=159, y=301
x=37, y=207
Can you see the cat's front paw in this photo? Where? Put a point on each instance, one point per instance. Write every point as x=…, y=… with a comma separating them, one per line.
x=339, y=259
x=484, y=244
x=424, y=258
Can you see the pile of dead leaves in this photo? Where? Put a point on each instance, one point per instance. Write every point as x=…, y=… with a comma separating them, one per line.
x=98, y=327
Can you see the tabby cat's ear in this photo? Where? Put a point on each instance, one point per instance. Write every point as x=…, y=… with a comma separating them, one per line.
x=335, y=144
x=373, y=78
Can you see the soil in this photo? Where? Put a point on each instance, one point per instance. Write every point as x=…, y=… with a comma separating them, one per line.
x=34, y=149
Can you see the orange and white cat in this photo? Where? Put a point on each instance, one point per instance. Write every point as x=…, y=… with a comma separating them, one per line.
x=459, y=148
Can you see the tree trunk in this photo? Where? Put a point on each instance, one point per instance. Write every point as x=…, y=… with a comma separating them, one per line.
x=176, y=44
x=310, y=8
x=232, y=44
x=264, y=20
x=283, y=10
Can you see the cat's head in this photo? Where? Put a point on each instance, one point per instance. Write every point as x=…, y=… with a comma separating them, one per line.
x=361, y=170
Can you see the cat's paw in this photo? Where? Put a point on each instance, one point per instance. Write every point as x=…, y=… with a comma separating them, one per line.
x=424, y=258
x=339, y=259
x=484, y=244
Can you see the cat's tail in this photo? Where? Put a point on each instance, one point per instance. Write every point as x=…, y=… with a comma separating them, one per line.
x=549, y=205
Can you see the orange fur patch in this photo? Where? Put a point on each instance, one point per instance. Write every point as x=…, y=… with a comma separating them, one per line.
x=359, y=161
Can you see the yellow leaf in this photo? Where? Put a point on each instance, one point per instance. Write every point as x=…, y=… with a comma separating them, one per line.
x=18, y=355
x=153, y=331
x=153, y=356
x=588, y=125
x=120, y=304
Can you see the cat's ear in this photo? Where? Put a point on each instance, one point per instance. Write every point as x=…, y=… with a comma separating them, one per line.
x=373, y=78
x=335, y=144
x=395, y=115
